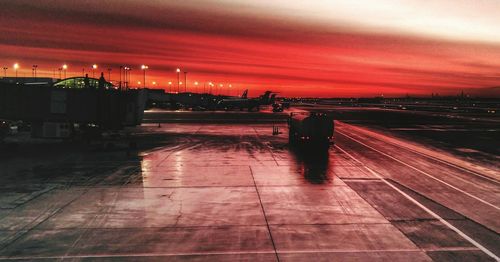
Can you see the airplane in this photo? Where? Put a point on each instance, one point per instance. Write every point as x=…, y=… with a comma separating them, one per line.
x=198, y=101
x=247, y=103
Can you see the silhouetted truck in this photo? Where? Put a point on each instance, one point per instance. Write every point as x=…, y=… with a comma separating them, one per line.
x=311, y=129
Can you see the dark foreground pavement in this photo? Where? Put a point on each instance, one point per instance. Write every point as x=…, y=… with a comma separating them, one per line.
x=235, y=192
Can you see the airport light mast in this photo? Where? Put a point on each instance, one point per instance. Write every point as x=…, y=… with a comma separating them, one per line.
x=127, y=75
x=178, y=71
x=109, y=74
x=34, y=70
x=16, y=67
x=144, y=68
x=65, y=68
x=120, y=82
x=5, y=71
x=94, y=67
x=185, y=81
x=210, y=84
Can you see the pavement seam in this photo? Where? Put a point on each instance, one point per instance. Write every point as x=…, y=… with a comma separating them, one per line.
x=475, y=174
x=423, y=172
x=430, y=157
x=264, y=213
x=41, y=222
x=267, y=146
x=237, y=253
x=430, y=212
x=86, y=230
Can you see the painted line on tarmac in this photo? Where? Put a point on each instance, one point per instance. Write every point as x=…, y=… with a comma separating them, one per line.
x=465, y=180
x=423, y=172
x=426, y=155
x=430, y=212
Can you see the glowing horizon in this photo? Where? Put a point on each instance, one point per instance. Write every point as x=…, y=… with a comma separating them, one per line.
x=323, y=48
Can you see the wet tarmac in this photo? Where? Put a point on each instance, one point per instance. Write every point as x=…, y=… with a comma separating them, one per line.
x=236, y=192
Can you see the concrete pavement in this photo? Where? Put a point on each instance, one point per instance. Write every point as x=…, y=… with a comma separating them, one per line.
x=226, y=192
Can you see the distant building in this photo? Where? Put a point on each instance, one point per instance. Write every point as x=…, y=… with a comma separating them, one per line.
x=41, y=81
x=72, y=82
x=79, y=82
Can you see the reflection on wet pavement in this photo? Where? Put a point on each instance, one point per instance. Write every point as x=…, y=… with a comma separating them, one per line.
x=190, y=191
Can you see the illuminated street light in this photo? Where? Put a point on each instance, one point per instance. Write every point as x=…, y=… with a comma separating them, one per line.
x=178, y=71
x=154, y=83
x=144, y=68
x=210, y=84
x=94, y=67
x=65, y=67
x=16, y=67
x=170, y=86
x=127, y=75
x=195, y=86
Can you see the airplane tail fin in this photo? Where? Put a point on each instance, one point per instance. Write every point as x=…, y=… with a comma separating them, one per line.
x=245, y=94
x=265, y=97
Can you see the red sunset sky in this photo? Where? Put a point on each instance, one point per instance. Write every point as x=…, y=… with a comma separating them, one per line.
x=298, y=48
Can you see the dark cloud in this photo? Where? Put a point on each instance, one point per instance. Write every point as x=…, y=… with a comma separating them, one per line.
x=218, y=43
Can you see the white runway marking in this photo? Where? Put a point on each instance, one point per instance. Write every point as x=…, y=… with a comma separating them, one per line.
x=423, y=172
x=409, y=147
x=442, y=220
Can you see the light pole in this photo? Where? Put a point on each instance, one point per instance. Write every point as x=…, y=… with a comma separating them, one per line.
x=65, y=68
x=178, y=71
x=228, y=89
x=60, y=72
x=120, y=82
x=144, y=68
x=16, y=67
x=109, y=74
x=170, y=86
x=210, y=84
x=5, y=71
x=94, y=67
x=196, y=86
x=34, y=71
x=185, y=81
x=127, y=75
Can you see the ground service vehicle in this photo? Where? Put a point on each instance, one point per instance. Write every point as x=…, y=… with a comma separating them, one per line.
x=310, y=129
x=277, y=107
